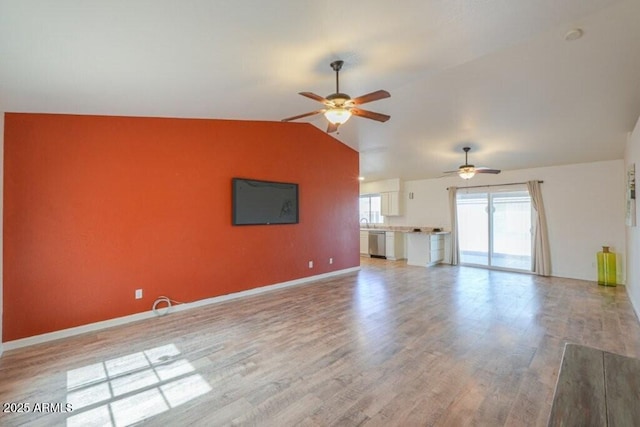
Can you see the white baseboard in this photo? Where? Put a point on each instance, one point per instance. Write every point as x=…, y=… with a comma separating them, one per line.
x=633, y=304
x=91, y=327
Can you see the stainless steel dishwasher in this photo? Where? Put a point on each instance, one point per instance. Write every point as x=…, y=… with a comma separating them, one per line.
x=377, y=246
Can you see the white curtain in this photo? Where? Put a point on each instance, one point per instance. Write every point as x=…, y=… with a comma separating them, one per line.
x=454, y=256
x=541, y=259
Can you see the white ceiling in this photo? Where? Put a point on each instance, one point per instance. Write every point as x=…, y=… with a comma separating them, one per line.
x=493, y=74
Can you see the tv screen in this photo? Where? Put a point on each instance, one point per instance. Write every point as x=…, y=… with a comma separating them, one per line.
x=264, y=202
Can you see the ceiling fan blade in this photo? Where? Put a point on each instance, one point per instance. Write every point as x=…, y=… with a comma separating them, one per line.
x=331, y=127
x=314, y=97
x=373, y=96
x=455, y=171
x=288, y=119
x=487, y=170
x=370, y=115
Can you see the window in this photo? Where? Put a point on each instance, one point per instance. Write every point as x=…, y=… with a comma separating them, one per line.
x=495, y=228
x=371, y=209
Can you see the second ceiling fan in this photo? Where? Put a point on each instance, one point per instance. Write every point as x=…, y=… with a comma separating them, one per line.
x=340, y=106
x=468, y=171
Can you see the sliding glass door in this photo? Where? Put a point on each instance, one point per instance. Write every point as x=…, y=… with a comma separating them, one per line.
x=494, y=228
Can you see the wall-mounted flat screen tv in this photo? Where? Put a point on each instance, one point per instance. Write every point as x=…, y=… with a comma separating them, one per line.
x=264, y=202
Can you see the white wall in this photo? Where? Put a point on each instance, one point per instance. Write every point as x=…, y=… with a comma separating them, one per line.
x=632, y=155
x=584, y=205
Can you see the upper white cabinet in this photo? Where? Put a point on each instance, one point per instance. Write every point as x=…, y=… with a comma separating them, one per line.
x=391, y=203
x=390, y=191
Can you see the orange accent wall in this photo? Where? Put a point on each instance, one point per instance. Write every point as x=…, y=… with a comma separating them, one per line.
x=96, y=207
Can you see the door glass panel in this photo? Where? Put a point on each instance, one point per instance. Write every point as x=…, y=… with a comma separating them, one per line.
x=473, y=229
x=511, y=227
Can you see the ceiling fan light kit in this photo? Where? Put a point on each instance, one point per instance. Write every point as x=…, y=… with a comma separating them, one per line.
x=337, y=116
x=467, y=172
x=339, y=107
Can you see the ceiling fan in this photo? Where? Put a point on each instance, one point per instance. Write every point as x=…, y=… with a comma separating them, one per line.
x=468, y=171
x=339, y=106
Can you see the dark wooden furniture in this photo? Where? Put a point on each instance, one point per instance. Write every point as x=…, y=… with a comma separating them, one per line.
x=596, y=388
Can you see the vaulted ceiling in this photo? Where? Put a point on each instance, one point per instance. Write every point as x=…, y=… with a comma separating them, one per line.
x=496, y=75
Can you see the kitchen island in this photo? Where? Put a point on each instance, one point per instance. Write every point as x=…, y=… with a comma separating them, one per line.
x=425, y=248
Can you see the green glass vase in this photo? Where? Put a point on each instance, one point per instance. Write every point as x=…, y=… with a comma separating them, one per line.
x=606, y=267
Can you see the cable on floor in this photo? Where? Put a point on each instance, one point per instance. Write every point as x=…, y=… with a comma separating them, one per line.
x=161, y=311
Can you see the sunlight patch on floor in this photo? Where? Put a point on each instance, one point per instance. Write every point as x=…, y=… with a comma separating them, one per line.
x=129, y=389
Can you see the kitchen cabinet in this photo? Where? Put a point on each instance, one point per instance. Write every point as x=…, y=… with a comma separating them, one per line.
x=364, y=242
x=425, y=249
x=436, y=248
x=391, y=203
x=394, y=245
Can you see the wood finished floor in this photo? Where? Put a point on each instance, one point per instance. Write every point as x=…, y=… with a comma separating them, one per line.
x=391, y=345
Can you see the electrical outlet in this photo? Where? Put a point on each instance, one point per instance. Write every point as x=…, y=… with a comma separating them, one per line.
x=138, y=293
x=310, y=264
x=330, y=260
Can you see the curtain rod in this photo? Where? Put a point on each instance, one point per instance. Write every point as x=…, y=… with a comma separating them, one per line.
x=494, y=185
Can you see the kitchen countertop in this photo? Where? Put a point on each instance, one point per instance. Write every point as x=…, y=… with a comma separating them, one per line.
x=405, y=229
x=427, y=232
